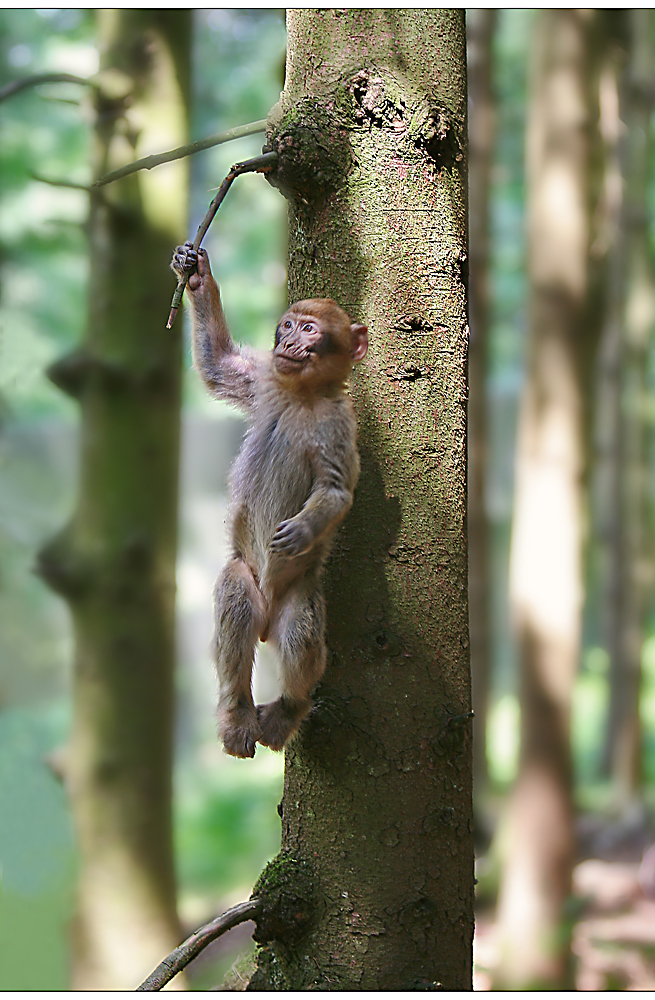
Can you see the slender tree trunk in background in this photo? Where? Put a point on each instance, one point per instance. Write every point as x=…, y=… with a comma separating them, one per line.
x=633, y=309
x=375, y=876
x=638, y=316
x=546, y=558
x=480, y=29
x=115, y=563
x=609, y=419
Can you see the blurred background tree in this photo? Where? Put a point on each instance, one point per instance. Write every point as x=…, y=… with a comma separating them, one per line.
x=625, y=434
x=225, y=822
x=546, y=584
x=480, y=29
x=114, y=562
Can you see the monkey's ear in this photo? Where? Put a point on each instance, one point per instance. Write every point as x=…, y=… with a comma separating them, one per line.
x=358, y=341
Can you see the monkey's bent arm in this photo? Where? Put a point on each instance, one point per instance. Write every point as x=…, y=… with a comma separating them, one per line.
x=336, y=468
x=325, y=508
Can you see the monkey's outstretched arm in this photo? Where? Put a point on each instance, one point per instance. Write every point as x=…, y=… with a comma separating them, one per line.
x=227, y=371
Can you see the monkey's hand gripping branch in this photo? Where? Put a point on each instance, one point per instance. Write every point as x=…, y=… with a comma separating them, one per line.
x=258, y=164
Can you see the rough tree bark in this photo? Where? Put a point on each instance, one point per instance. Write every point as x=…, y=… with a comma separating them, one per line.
x=115, y=562
x=546, y=558
x=480, y=28
x=373, y=888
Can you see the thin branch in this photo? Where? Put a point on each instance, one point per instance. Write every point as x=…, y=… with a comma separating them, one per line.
x=15, y=86
x=258, y=164
x=182, y=955
x=148, y=162
x=63, y=184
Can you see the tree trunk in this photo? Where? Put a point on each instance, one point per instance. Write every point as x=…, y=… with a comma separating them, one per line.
x=480, y=31
x=638, y=314
x=609, y=493
x=546, y=557
x=629, y=333
x=115, y=562
x=373, y=889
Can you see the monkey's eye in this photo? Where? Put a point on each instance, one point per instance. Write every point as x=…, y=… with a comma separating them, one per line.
x=288, y=324
x=308, y=328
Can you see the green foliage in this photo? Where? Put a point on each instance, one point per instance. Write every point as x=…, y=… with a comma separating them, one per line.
x=507, y=264
x=37, y=474
x=226, y=823
x=42, y=244
x=647, y=709
x=36, y=852
x=589, y=715
x=241, y=53
x=503, y=740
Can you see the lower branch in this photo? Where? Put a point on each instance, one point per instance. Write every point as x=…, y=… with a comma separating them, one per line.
x=180, y=958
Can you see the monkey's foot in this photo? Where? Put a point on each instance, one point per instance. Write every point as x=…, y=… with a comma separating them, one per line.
x=279, y=720
x=239, y=729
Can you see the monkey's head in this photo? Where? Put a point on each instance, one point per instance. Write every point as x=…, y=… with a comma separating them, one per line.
x=316, y=345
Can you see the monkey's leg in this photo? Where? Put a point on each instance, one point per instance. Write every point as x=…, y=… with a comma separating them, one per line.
x=299, y=633
x=240, y=614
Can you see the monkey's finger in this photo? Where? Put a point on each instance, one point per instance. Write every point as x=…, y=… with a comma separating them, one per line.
x=185, y=261
x=285, y=547
x=284, y=534
x=203, y=262
x=290, y=539
x=280, y=546
x=186, y=253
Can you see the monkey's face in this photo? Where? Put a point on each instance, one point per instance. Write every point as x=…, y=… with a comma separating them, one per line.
x=300, y=341
x=316, y=344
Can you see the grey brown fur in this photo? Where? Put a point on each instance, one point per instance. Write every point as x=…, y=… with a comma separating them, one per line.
x=290, y=487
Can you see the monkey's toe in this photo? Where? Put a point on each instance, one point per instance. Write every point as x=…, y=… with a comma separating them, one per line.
x=239, y=731
x=238, y=743
x=278, y=721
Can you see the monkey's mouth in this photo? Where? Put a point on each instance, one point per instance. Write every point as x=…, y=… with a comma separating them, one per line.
x=289, y=361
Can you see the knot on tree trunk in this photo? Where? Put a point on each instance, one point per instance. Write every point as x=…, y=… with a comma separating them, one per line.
x=312, y=137
x=435, y=131
x=287, y=890
x=313, y=151
x=377, y=101
x=61, y=566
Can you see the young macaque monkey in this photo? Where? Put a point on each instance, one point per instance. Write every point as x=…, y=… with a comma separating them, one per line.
x=291, y=485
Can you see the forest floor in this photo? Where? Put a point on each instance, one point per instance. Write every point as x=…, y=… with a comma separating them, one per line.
x=613, y=938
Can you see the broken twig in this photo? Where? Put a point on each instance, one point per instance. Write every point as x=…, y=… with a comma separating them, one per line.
x=259, y=164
